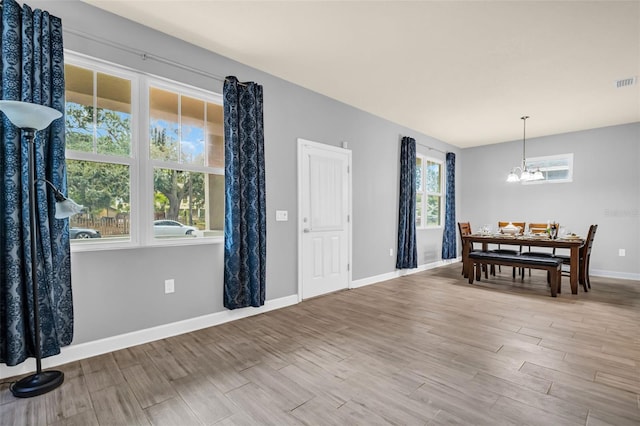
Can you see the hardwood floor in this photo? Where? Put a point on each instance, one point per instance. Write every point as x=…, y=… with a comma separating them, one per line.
x=424, y=349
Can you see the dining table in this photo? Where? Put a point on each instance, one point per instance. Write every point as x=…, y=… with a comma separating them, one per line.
x=573, y=243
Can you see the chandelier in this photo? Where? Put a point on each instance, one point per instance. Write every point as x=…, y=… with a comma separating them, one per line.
x=526, y=175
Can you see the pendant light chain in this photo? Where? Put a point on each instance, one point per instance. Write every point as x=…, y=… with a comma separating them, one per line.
x=524, y=141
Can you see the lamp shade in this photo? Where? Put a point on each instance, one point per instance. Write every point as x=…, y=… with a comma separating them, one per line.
x=67, y=208
x=26, y=115
x=513, y=177
x=537, y=175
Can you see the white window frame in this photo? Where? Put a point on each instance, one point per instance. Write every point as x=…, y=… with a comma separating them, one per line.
x=426, y=194
x=150, y=164
x=140, y=164
x=534, y=162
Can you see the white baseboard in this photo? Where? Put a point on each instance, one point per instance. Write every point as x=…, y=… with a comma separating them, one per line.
x=98, y=347
x=614, y=274
x=400, y=272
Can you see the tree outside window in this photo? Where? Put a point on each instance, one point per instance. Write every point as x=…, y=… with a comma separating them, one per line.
x=98, y=136
x=429, y=192
x=186, y=149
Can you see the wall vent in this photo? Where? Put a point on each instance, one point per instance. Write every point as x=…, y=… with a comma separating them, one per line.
x=626, y=82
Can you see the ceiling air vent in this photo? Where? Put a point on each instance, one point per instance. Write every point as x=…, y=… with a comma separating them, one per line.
x=626, y=82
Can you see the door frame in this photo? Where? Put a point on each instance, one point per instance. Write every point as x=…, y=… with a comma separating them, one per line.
x=302, y=143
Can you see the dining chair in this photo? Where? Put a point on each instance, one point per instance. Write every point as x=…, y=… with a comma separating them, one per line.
x=585, y=259
x=465, y=229
x=521, y=225
x=538, y=229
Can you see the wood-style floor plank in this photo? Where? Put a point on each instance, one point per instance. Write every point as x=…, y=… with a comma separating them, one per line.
x=86, y=418
x=148, y=384
x=117, y=405
x=540, y=400
x=172, y=412
x=258, y=404
x=284, y=392
x=322, y=410
x=423, y=349
x=208, y=403
x=67, y=401
x=24, y=412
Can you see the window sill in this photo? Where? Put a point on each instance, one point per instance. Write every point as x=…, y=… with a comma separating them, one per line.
x=429, y=228
x=128, y=245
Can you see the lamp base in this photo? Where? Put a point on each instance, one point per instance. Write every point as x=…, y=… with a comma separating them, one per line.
x=37, y=384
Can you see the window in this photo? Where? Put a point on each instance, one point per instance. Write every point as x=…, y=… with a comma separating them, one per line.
x=555, y=168
x=145, y=156
x=187, y=153
x=99, y=150
x=429, y=192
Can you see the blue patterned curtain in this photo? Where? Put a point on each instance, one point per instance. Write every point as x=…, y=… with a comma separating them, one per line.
x=407, y=249
x=245, y=226
x=449, y=249
x=32, y=71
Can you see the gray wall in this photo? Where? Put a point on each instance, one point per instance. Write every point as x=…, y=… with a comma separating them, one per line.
x=605, y=191
x=119, y=291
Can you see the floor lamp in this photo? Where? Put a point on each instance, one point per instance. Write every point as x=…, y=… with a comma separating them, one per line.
x=30, y=118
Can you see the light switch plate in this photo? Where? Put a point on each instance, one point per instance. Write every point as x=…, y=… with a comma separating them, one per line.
x=282, y=215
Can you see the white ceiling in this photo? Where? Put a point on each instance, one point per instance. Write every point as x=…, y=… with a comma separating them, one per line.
x=462, y=72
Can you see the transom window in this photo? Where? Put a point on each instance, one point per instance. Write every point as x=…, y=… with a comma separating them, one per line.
x=141, y=150
x=555, y=168
x=429, y=192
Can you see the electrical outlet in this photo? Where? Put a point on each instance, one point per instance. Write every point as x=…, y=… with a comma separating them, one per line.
x=169, y=286
x=282, y=215
x=622, y=252
x=391, y=252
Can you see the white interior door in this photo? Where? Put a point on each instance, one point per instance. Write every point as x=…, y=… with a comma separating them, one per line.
x=324, y=218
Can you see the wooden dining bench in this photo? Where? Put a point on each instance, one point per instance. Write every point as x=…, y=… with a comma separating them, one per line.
x=552, y=265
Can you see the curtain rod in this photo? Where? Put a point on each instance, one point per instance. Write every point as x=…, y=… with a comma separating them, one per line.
x=144, y=55
x=431, y=148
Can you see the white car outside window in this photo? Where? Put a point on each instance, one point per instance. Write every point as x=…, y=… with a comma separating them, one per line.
x=172, y=228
